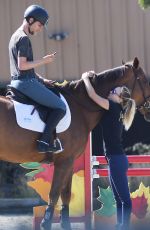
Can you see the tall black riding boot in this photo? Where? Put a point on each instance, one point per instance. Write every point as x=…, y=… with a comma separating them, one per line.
x=46, y=142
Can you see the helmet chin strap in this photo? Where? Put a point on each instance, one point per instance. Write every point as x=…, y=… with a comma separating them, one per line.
x=30, y=32
x=30, y=24
x=47, y=31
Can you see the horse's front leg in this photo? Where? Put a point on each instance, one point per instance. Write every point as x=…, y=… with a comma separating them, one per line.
x=60, y=174
x=66, y=197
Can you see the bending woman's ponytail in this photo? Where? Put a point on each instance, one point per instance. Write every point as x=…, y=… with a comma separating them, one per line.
x=129, y=107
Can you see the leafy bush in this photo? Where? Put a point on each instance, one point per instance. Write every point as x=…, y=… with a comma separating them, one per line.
x=13, y=182
x=138, y=149
x=144, y=3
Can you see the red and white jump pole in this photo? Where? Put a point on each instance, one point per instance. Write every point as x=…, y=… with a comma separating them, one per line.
x=92, y=173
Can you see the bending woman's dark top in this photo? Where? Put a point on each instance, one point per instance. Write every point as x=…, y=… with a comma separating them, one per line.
x=112, y=129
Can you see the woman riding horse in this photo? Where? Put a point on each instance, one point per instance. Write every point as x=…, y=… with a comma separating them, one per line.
x=26, y=81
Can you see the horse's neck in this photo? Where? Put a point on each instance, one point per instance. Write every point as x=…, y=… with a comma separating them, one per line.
x=102, y=83
x=77, y=92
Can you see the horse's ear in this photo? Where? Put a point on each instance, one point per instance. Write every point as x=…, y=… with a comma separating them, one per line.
x=123, y=62
x=136, y=63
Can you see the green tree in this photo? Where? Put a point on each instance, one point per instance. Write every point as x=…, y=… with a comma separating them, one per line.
x=144, y=3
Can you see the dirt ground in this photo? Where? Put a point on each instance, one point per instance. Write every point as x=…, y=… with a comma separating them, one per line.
x=16, y=222
x=24, y=222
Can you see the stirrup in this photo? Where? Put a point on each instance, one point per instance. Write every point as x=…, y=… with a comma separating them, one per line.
x=43, y=147
x=54, y=147
x=58, y=146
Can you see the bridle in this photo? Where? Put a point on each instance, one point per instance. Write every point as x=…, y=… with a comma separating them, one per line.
x=146, y=104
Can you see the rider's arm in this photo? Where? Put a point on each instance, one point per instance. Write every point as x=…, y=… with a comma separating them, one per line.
x=104, y=103
x=24, y=48
x=23, y=64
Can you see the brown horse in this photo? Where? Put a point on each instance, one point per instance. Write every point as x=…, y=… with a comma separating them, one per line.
x=19, y=145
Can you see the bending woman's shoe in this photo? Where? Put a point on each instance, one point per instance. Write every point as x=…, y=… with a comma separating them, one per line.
x=117, y=226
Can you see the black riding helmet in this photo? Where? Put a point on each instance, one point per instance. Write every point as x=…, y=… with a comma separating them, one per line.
x=37, y=13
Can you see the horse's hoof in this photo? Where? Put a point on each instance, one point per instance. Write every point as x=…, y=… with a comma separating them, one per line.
x=64, y=218
x=66, y=225
x=45, y=225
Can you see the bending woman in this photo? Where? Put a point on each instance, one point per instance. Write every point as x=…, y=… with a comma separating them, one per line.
x=119, y=113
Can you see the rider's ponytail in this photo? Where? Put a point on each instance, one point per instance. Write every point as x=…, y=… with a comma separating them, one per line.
x=129, y=107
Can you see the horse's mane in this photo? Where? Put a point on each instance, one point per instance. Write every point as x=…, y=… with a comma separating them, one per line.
x=106, y=77
x=111, y=75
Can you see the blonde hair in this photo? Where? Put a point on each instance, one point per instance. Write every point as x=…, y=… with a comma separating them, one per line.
x=128, y=106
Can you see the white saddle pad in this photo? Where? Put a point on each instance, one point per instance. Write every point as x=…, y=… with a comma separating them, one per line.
x=33, y=122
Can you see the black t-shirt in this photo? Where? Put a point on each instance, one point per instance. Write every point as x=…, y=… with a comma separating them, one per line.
x=112, y=129
x=20, y=46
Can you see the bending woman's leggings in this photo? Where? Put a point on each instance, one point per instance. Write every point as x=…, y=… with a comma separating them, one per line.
x=118, y=166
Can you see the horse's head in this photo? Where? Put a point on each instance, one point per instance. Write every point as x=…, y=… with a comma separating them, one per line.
x=131, y=75
x=139, y=86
